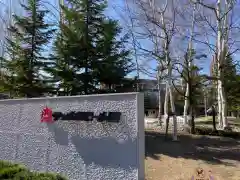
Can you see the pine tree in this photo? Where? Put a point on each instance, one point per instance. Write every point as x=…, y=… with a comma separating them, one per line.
x=114, y=63
x=25, y=59
x=191, y=75
x=87, y=49
x=192, y=78
x=231, y=84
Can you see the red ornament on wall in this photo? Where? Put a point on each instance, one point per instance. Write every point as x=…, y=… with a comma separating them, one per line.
x=46, y=115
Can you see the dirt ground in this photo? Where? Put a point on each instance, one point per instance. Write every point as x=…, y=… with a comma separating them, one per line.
x=167, y=160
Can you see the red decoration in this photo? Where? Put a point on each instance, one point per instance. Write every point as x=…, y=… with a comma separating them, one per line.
x=46, y=115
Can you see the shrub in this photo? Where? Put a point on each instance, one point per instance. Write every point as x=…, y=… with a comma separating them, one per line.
x=12, y=171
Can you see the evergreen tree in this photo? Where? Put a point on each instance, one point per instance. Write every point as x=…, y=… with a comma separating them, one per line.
x=25, y=47
x=114, y=62
x=191, y=76
x=87, y=51
x=193, y=79
x=231, y=84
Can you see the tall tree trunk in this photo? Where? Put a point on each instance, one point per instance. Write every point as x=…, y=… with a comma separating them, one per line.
x=220, y=122
x=222, y=50
x=224, y=108
x=224, y=55
x=191, y=102
x=205, y=102
x=159, y=97
x=166, y=127
x=186, y=105
x=192, y=129
x=214, y=118
x=219, y=40
x=174, y=135
x=173, y=110
x=166, y=101
x=188, y=66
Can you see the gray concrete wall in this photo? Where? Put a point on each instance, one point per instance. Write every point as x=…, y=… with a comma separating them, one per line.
x=77, y=149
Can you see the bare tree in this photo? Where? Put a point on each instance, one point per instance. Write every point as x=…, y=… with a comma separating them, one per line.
x=189, y=65
x=158, y=21
x=222, y=10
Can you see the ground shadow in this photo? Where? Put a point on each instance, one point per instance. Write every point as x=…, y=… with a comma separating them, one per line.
x=213, y=150
x=59, y=134
x=95, y=150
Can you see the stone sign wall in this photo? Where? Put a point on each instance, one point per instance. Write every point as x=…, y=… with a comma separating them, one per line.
x=105, y=143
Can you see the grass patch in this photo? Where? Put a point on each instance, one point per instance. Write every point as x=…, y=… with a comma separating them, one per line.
x=211, y=132
x=203, y=119
x=234, y=122
x=204, y=127
x=12, y=171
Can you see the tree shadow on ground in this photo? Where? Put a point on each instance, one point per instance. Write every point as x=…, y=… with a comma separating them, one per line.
x=213, y=150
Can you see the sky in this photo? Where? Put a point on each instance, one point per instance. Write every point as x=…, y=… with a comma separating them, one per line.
x=115, y=11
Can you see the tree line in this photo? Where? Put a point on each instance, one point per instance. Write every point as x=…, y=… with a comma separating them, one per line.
x=84, y=50
x=87, y=49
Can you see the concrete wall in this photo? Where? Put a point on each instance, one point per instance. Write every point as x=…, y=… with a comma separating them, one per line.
x=77, y=149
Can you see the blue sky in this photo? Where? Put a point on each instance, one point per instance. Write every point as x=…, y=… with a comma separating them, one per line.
x=113, y=11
